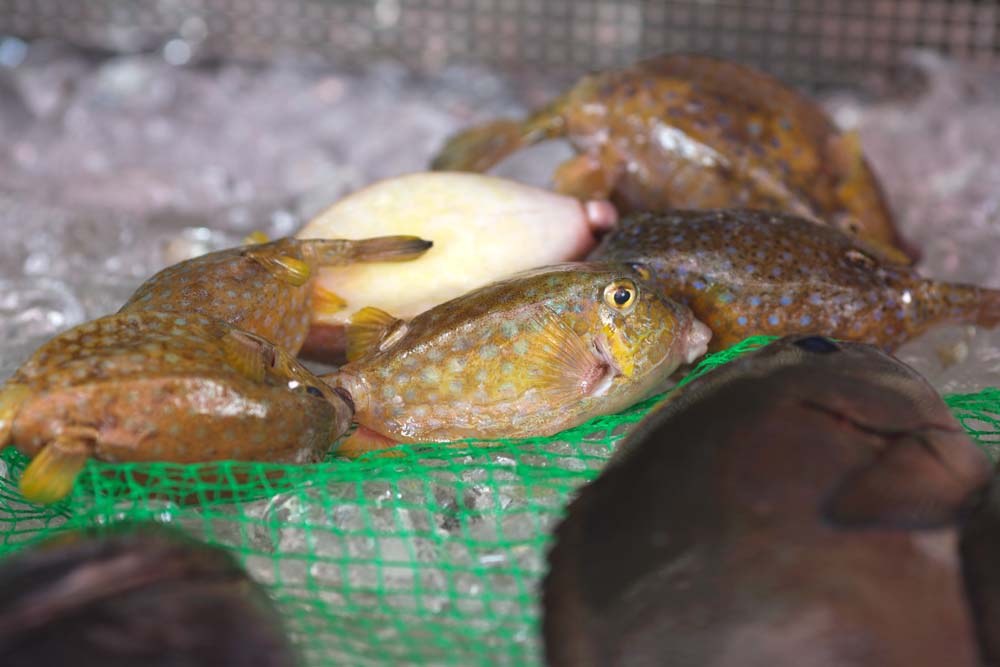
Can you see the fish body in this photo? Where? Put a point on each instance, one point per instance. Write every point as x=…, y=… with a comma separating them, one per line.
x=483, y=228
x=801, y=505
x=135, y=594
x=684, y=131
x=161, y=386
x=749, y=273
x=267, y=289
x=528, y=356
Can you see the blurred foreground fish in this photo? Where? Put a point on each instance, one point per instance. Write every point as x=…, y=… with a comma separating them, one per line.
x=747, y=273
x=161, y=386
x=483, y=229
x=801, y=505
x=265, y=288
x=135, y=595
x=687, y=131
x=532, y=355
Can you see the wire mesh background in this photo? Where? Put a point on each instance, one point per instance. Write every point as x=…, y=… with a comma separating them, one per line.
x=804, y=41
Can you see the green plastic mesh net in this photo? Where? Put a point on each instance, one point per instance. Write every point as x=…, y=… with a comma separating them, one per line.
x=429, y=558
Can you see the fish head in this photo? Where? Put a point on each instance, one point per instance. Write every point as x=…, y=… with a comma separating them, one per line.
x=900, y=456
x=643, y=335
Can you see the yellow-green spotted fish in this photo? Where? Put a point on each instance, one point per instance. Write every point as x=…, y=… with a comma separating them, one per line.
x=153, y=386
x=483, y=228
x=187, y=370
x=266, y=288
x=532, y=355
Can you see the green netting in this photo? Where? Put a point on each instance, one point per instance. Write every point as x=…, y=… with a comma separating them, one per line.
x=431, y=558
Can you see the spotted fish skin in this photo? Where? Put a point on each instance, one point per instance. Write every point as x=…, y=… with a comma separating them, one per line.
x=245, y=288
x=147, y=386
x=749, y=273
x=529, y=356
x=684, y=131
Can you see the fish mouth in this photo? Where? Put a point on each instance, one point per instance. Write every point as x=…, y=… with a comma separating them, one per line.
x=606, y=371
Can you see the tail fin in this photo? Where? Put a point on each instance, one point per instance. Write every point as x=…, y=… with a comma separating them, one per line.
x=968, y=304
x=379, y=249
x=989, y=308
x=481, y=147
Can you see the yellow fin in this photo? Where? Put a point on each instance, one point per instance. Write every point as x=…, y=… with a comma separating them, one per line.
x=883, y=252
x=562, y=366
x=250, y=355
x=364, y=441
x=326, y=302
x=51, y=474
x=372, y=329
x=285, y=268
x=479, y=148
x=256, y=238
x=12, y=396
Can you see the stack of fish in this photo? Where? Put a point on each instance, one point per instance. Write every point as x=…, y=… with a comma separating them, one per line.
x=744, y=211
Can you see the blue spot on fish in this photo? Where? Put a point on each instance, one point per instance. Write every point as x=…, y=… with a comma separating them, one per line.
x=805, y=320
x=755, y=301
x=699, y=284
x=786, y=300
x=741, y=320
x=773, y=320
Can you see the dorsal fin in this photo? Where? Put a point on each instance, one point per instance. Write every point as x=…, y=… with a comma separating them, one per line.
x=370, y=330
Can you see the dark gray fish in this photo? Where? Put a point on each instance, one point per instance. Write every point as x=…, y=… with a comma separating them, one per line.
x=136, y=595
x=799, y=506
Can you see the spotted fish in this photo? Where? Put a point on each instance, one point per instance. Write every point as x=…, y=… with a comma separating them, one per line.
x=684, y=131
x=135, y=594
x=528, y=356
x=802, y=505
x=747, y=273
x=160, y=386
x=265, y=288
x=478, y=224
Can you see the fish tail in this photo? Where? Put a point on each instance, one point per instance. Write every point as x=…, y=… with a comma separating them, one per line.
x=479, y=148
x=379, y=249
x=968, y=304
x=989, y=308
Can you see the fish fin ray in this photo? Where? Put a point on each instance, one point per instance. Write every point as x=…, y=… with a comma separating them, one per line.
x=248, y=354
x=326, y=302
x=285, y=268
x=256, y=238
x=567, y=368
x=51, y=474
x=364, y=441
x=370, y=330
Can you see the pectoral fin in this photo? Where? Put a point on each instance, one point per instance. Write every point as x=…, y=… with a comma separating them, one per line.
x=371, y=330
x=250, y=355
x=562, y=365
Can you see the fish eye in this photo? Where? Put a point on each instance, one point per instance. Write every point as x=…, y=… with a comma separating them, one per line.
x=314, y=391
x=620, y=294
x=817, y=344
